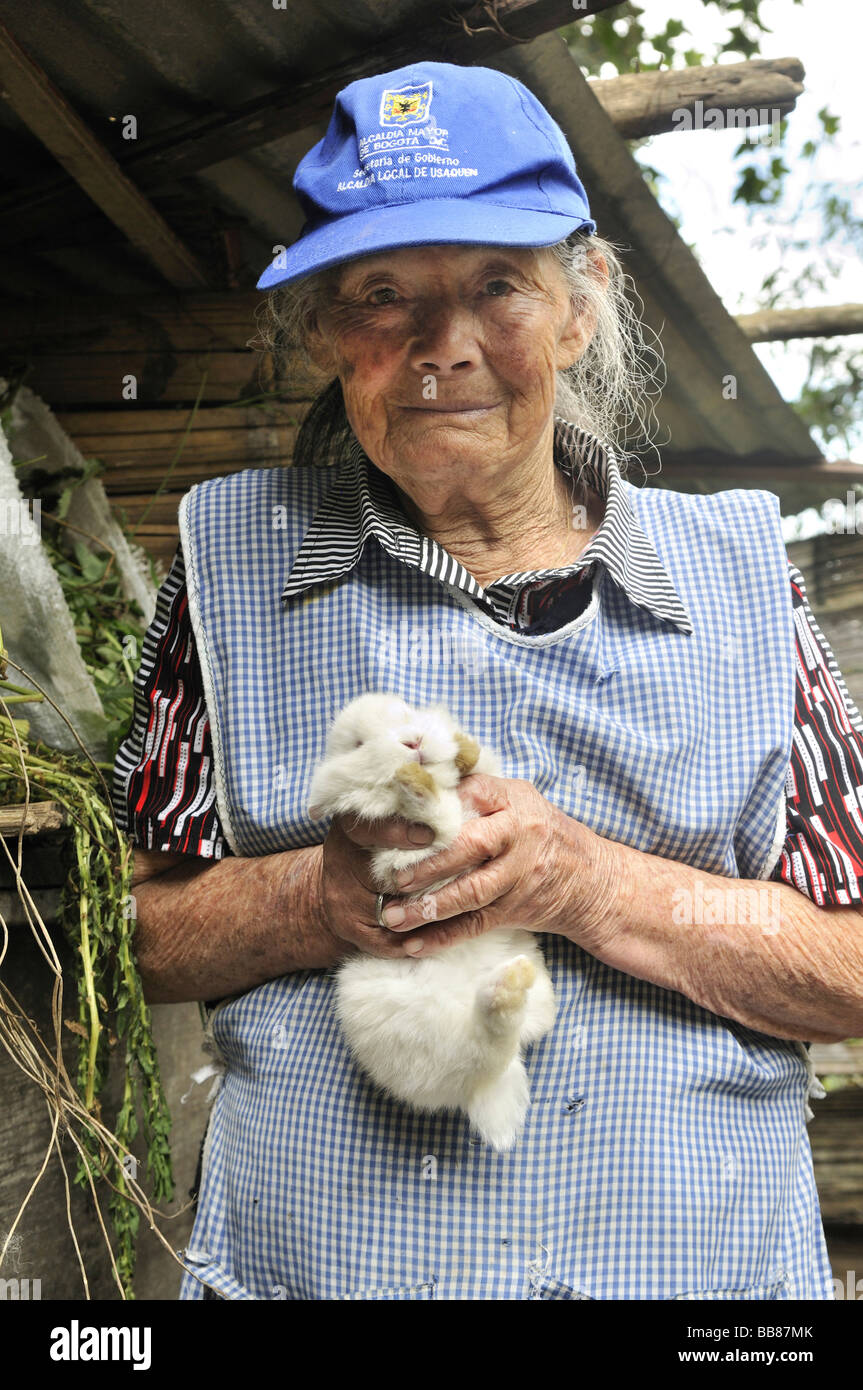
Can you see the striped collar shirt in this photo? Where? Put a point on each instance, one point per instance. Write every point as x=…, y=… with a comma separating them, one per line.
x=363, y=502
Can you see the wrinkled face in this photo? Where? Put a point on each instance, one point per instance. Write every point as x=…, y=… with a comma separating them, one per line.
x=448, y=357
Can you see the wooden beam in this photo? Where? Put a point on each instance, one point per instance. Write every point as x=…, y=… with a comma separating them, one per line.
x=798, y=486
x=469, y=35
x=781, y=325
x=648, y=103
x=759, y=469
x=38, y=103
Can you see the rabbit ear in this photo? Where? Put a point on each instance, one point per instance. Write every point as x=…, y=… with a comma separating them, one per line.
x=468, y=753
x=316, y=813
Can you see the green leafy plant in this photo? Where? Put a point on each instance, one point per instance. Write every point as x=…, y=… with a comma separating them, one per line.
x=97, y=915
x=97, y=907
x=109, y=628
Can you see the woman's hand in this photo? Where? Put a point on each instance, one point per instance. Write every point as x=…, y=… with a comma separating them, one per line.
x=529, y=865
x=346, y=892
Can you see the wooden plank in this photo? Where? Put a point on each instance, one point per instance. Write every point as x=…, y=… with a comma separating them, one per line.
x=138, y=458
x=82, y=352
x=220, y=448
x=124, y=447
x=45, y=111
x=648, y=103
x=160, y=547
x=146, y=480
x=161, y=511
x=161, y=523
x=228, y=442
x=761, y=468
x=194, y=321
x=99, y=379
x=137, y=421
x=781, y=325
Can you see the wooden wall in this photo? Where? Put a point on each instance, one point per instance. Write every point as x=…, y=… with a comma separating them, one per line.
x=127, y=378
x=146, y=450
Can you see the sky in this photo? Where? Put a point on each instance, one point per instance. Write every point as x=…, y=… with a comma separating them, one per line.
x=701, y=172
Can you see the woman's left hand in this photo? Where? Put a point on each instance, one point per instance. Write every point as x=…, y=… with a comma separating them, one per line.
x=524, y=863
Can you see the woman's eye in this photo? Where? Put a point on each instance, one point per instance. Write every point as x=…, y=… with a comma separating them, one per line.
x=385, y=295
x=498, y=288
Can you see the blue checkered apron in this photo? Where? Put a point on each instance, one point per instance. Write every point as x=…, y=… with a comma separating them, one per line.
x=666, y=1154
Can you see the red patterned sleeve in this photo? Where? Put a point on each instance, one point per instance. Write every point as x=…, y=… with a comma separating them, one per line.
x=823, y=853
x=163, y=792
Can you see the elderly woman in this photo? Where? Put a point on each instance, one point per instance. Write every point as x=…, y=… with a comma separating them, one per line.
x=631, y=653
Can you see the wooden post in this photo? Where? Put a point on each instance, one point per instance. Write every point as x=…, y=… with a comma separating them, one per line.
x=781, y=325
x=648, y=103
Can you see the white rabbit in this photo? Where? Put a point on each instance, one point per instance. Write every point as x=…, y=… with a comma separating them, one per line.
x=445, y=1031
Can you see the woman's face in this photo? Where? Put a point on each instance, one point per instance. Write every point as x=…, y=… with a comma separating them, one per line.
x=447, y=357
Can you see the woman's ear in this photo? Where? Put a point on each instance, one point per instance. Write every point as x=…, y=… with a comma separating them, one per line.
x=319, y=346
x=581, y=321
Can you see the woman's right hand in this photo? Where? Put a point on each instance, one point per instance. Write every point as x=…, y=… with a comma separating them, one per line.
x=348, y=893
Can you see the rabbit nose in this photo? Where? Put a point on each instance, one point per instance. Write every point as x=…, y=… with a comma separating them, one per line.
x=415, y=743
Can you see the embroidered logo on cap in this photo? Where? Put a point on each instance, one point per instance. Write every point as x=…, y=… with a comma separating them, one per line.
x=406, y=105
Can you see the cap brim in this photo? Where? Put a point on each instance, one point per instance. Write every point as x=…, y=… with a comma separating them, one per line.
x=433, y=221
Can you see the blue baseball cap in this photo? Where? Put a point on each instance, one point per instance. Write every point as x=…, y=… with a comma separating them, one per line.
x=428, y=153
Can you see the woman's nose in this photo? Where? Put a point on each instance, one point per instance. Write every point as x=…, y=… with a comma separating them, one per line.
x=445, y=342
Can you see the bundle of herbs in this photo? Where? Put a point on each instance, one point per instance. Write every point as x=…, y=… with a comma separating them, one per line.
x=97, y=908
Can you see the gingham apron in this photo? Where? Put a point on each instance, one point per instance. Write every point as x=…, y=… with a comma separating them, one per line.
x=666, y=1153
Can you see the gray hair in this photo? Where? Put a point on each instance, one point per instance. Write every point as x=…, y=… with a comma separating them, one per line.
x=610, y=392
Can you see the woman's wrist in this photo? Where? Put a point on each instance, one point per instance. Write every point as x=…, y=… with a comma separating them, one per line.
x=205, y=931
x=595, y=886
x=313, y=943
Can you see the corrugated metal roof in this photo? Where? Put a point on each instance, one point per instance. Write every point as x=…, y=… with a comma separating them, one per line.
x=167, y=64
